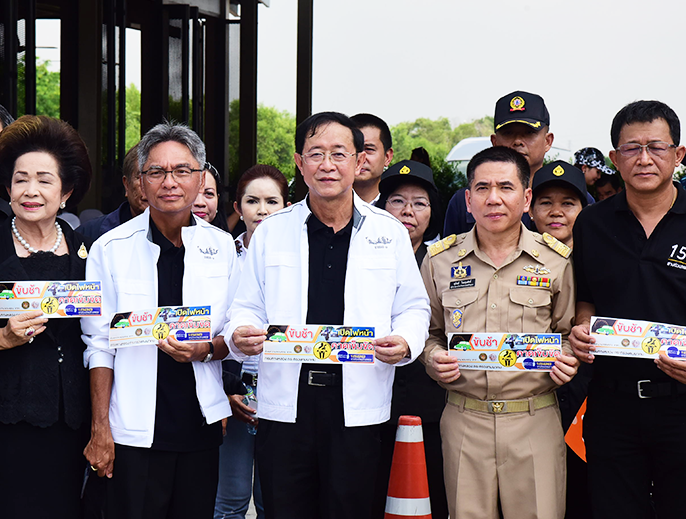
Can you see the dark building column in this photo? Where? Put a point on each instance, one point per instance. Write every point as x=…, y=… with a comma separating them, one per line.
x=248, y=86
x=303, y=104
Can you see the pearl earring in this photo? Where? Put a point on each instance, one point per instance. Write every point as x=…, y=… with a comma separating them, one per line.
x=62, y=205
x=241, y=217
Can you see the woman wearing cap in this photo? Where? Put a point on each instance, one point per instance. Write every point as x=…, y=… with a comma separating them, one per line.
x=408, y=192
x=559, y=194
x=44, y=389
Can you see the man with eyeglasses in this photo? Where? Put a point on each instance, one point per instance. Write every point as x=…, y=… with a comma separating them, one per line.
x=330, y=259
x=521, y=122
x=503, y=445
x=157, y=409
x=629, y=257
x=378, y=148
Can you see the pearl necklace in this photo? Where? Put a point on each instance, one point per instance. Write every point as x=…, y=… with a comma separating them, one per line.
x=28, y=247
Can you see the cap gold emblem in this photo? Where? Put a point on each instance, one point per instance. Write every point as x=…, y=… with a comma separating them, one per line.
x=404, y=170
x=517, y=104
x=82, y=253
x=558, y=171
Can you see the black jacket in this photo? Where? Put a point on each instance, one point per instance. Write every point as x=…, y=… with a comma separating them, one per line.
x=34, y=385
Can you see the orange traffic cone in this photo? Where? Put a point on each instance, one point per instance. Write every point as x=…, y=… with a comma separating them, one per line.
x=408, y=487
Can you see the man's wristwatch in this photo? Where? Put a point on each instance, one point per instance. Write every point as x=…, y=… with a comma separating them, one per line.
x=209, y=356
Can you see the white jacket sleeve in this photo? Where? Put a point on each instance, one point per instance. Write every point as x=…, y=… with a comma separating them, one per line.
x=96, y=329
x=411, y=310
x=248, y=306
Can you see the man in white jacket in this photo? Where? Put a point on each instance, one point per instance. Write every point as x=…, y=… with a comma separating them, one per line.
x=330, y=259
x=158, y=409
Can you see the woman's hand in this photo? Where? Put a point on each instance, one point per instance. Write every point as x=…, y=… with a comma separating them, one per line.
x=242, y=412
x=21, y=329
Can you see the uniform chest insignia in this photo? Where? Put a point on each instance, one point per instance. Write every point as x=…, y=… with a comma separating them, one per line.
x=555, y=244
x=533, y=281
x=457, y=318
x=82, y=253
x=460, y=272
x=538, y=270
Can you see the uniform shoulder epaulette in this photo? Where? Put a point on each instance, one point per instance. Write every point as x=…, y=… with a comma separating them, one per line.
x=555, y=244
x=442, y=245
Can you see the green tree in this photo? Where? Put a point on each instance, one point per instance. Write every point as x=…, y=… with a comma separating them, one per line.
x=133, y=116
x=47, y=89
x=438, y=137
x=275, y=139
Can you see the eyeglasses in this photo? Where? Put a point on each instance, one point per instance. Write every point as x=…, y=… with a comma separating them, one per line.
x=657, y=149
x=317, y=157
x=398, y=203
x=180, y=175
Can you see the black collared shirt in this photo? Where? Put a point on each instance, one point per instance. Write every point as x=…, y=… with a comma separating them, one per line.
x=624, y=274
x=328, y=262
x=179, y=423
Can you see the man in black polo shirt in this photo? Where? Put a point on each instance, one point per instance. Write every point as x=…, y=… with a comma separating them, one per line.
x=328, y=260
x=629, y=255
x=157, y=409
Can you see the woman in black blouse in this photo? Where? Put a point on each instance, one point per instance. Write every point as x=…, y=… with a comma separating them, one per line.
x=44, y=398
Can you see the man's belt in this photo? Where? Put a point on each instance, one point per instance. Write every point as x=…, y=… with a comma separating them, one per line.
x=502, y=406
x=645, y=388
x=323, y=378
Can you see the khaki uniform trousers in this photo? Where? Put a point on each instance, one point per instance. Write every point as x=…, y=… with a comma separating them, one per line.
x=517, y=456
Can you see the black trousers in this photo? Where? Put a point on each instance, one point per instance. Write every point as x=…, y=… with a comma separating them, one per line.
x=153, y=484
x=635, y=446
x=317, y=468
x=41, y=470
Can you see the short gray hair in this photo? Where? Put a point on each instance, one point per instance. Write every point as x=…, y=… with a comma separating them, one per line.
x=170, y=131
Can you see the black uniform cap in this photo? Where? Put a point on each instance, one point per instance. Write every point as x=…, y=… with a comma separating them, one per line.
x=521, y=107
x=563, y=174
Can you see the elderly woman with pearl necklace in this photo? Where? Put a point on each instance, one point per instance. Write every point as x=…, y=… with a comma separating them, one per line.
x=44, y=391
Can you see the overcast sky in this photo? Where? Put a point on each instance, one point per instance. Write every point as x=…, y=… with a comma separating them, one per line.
x=404, y=59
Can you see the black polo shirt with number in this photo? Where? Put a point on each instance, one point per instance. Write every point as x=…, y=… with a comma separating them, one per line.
x=626, y=275
x=179, y=423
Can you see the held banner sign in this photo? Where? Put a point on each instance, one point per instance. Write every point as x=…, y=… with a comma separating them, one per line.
x=184, y=323
x=57, y=299
x=322, y=344
x=505, y=351
x=638, y=339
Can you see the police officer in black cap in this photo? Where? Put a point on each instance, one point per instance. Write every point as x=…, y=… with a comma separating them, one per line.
x=408, y=192
x=521, y=122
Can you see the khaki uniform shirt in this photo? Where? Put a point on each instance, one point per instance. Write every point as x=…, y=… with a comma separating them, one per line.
x=490, y=300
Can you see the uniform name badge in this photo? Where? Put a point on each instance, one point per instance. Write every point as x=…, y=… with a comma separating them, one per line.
x=141, y=327
x=638, y=339
x=321, y=344
x=57, y=299
x=505, y=351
